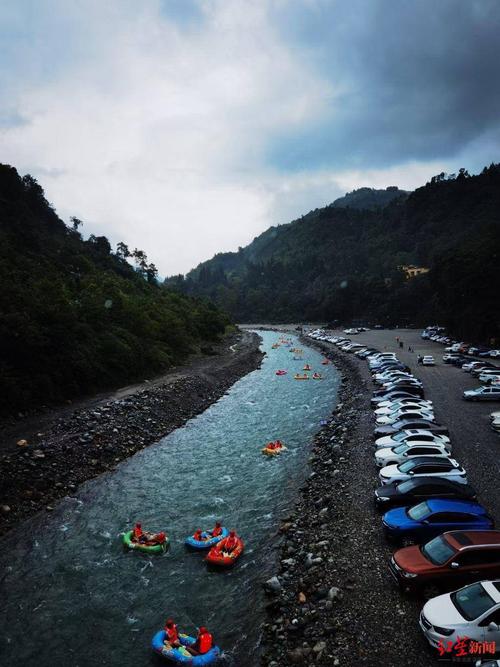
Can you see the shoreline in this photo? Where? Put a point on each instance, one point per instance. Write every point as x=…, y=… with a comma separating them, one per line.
x=81, y=443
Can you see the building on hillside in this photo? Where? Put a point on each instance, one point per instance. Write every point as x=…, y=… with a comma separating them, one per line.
x=411, y=271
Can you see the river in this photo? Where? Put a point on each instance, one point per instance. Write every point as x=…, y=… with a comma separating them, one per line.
x=71, y=595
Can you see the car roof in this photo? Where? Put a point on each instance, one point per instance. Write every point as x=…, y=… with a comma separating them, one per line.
x=443, y=505
x=437, y=460
x=462, y=539
x=440, y=481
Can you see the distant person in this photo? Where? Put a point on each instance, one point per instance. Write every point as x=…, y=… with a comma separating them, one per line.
x=401, y=344
x=420, y=359
x=171, y=632
x=203, y=643
x=159, y=538
x=397, y=339
x=198, y=535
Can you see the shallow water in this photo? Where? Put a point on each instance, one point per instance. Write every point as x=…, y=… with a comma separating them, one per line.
x=71, y=595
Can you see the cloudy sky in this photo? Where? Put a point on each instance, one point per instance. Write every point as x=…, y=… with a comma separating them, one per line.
x=187, y=127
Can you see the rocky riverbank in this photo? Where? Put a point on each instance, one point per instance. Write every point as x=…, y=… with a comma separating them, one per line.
x=94, y=438
x=329, y=598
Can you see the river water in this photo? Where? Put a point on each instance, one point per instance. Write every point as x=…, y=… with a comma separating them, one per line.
x=71, y=595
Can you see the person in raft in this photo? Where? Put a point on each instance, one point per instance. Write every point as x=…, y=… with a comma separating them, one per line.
x=229, y=544
x=148, y=539
x=203, y=643
x=171, y=634
x=198, y=535
x=217, y=530
x=138, y=535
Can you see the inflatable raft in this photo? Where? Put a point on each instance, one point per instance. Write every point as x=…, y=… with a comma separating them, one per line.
x=217, y=555
x=317, y=376
x=136, y=546
x=301, y=377
x=208, y=540
x=180, y=655
x=273, y=451
x=281, y=372
x=306, y=368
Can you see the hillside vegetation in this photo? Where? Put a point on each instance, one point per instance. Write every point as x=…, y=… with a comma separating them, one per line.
x=370, y=198
x=75, y=317
x=344, y=264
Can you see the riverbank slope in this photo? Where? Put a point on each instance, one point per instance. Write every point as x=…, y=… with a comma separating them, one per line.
x=73, y=444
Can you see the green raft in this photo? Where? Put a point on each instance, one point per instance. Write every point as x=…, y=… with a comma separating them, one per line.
x=155, y=549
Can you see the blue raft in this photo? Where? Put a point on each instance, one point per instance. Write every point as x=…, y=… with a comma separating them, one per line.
x=207, y=543
x=179, y=656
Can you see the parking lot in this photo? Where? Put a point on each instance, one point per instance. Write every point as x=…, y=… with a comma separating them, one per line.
x=475, y=445
x=380, y=622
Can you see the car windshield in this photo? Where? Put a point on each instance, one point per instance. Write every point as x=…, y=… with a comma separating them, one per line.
x=472, y=601
x=400, y=449
x=404, y=487
x=407, y=466
x=399, y=437
x=419, y=512
x=438, y=551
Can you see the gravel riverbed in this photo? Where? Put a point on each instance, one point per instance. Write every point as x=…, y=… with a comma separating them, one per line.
x=332, y=601
x=76, y=445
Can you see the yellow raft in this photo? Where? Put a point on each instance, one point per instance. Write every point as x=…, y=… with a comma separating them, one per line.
x=297, y=376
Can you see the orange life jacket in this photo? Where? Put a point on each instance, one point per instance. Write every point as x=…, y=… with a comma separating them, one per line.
x=137, y=532
x=216, y=531
x=230, y=543
x=204, y=642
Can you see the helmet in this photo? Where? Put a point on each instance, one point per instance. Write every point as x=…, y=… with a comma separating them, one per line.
x=169, y=622
x=232, y=534
x=203, y=630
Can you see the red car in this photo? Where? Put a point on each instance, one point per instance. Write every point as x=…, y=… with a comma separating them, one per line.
x=448, y=561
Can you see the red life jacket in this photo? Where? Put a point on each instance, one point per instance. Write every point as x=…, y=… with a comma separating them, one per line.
x=216, y=531
x=204, y=642
x=172, y=633
x=137, y=532
x=230, y=543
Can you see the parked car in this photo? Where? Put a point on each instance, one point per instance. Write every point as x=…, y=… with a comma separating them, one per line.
x=415, y=490
x=393, y=396
x=393, y=406
x=495, y=353
x=447, y=358
x=430, y=518
x=447, y=561
x=409, y=423
x=408, y=412
x=490, y=378
x=411, y=436
x=472, y=612
x=408, y=388
x=387, y=456
x=428, y=466
x=483, y=394
x=428, y=360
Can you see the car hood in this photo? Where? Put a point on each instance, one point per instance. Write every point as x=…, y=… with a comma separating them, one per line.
x=398, y=518
x=390, y=471
x=411, y=559
x=384, y=452
x=441, y=610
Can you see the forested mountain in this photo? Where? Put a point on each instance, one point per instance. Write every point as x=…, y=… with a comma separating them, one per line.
x=345, y=264
x=369, y=198
x=76, y=317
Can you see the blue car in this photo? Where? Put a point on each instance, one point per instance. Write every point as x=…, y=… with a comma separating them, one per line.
x=422, y=522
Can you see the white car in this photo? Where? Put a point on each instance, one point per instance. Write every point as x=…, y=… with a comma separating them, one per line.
x=403, y=400
x=393, y=407
x=483, y=394
x=494, y=353
x=413, y=437
x=472, y=611
x=411, y=413
x=424, y=466
x=387, y=456
x=428, y=360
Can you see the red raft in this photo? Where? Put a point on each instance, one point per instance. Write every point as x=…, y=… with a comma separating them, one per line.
x=219, y=556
